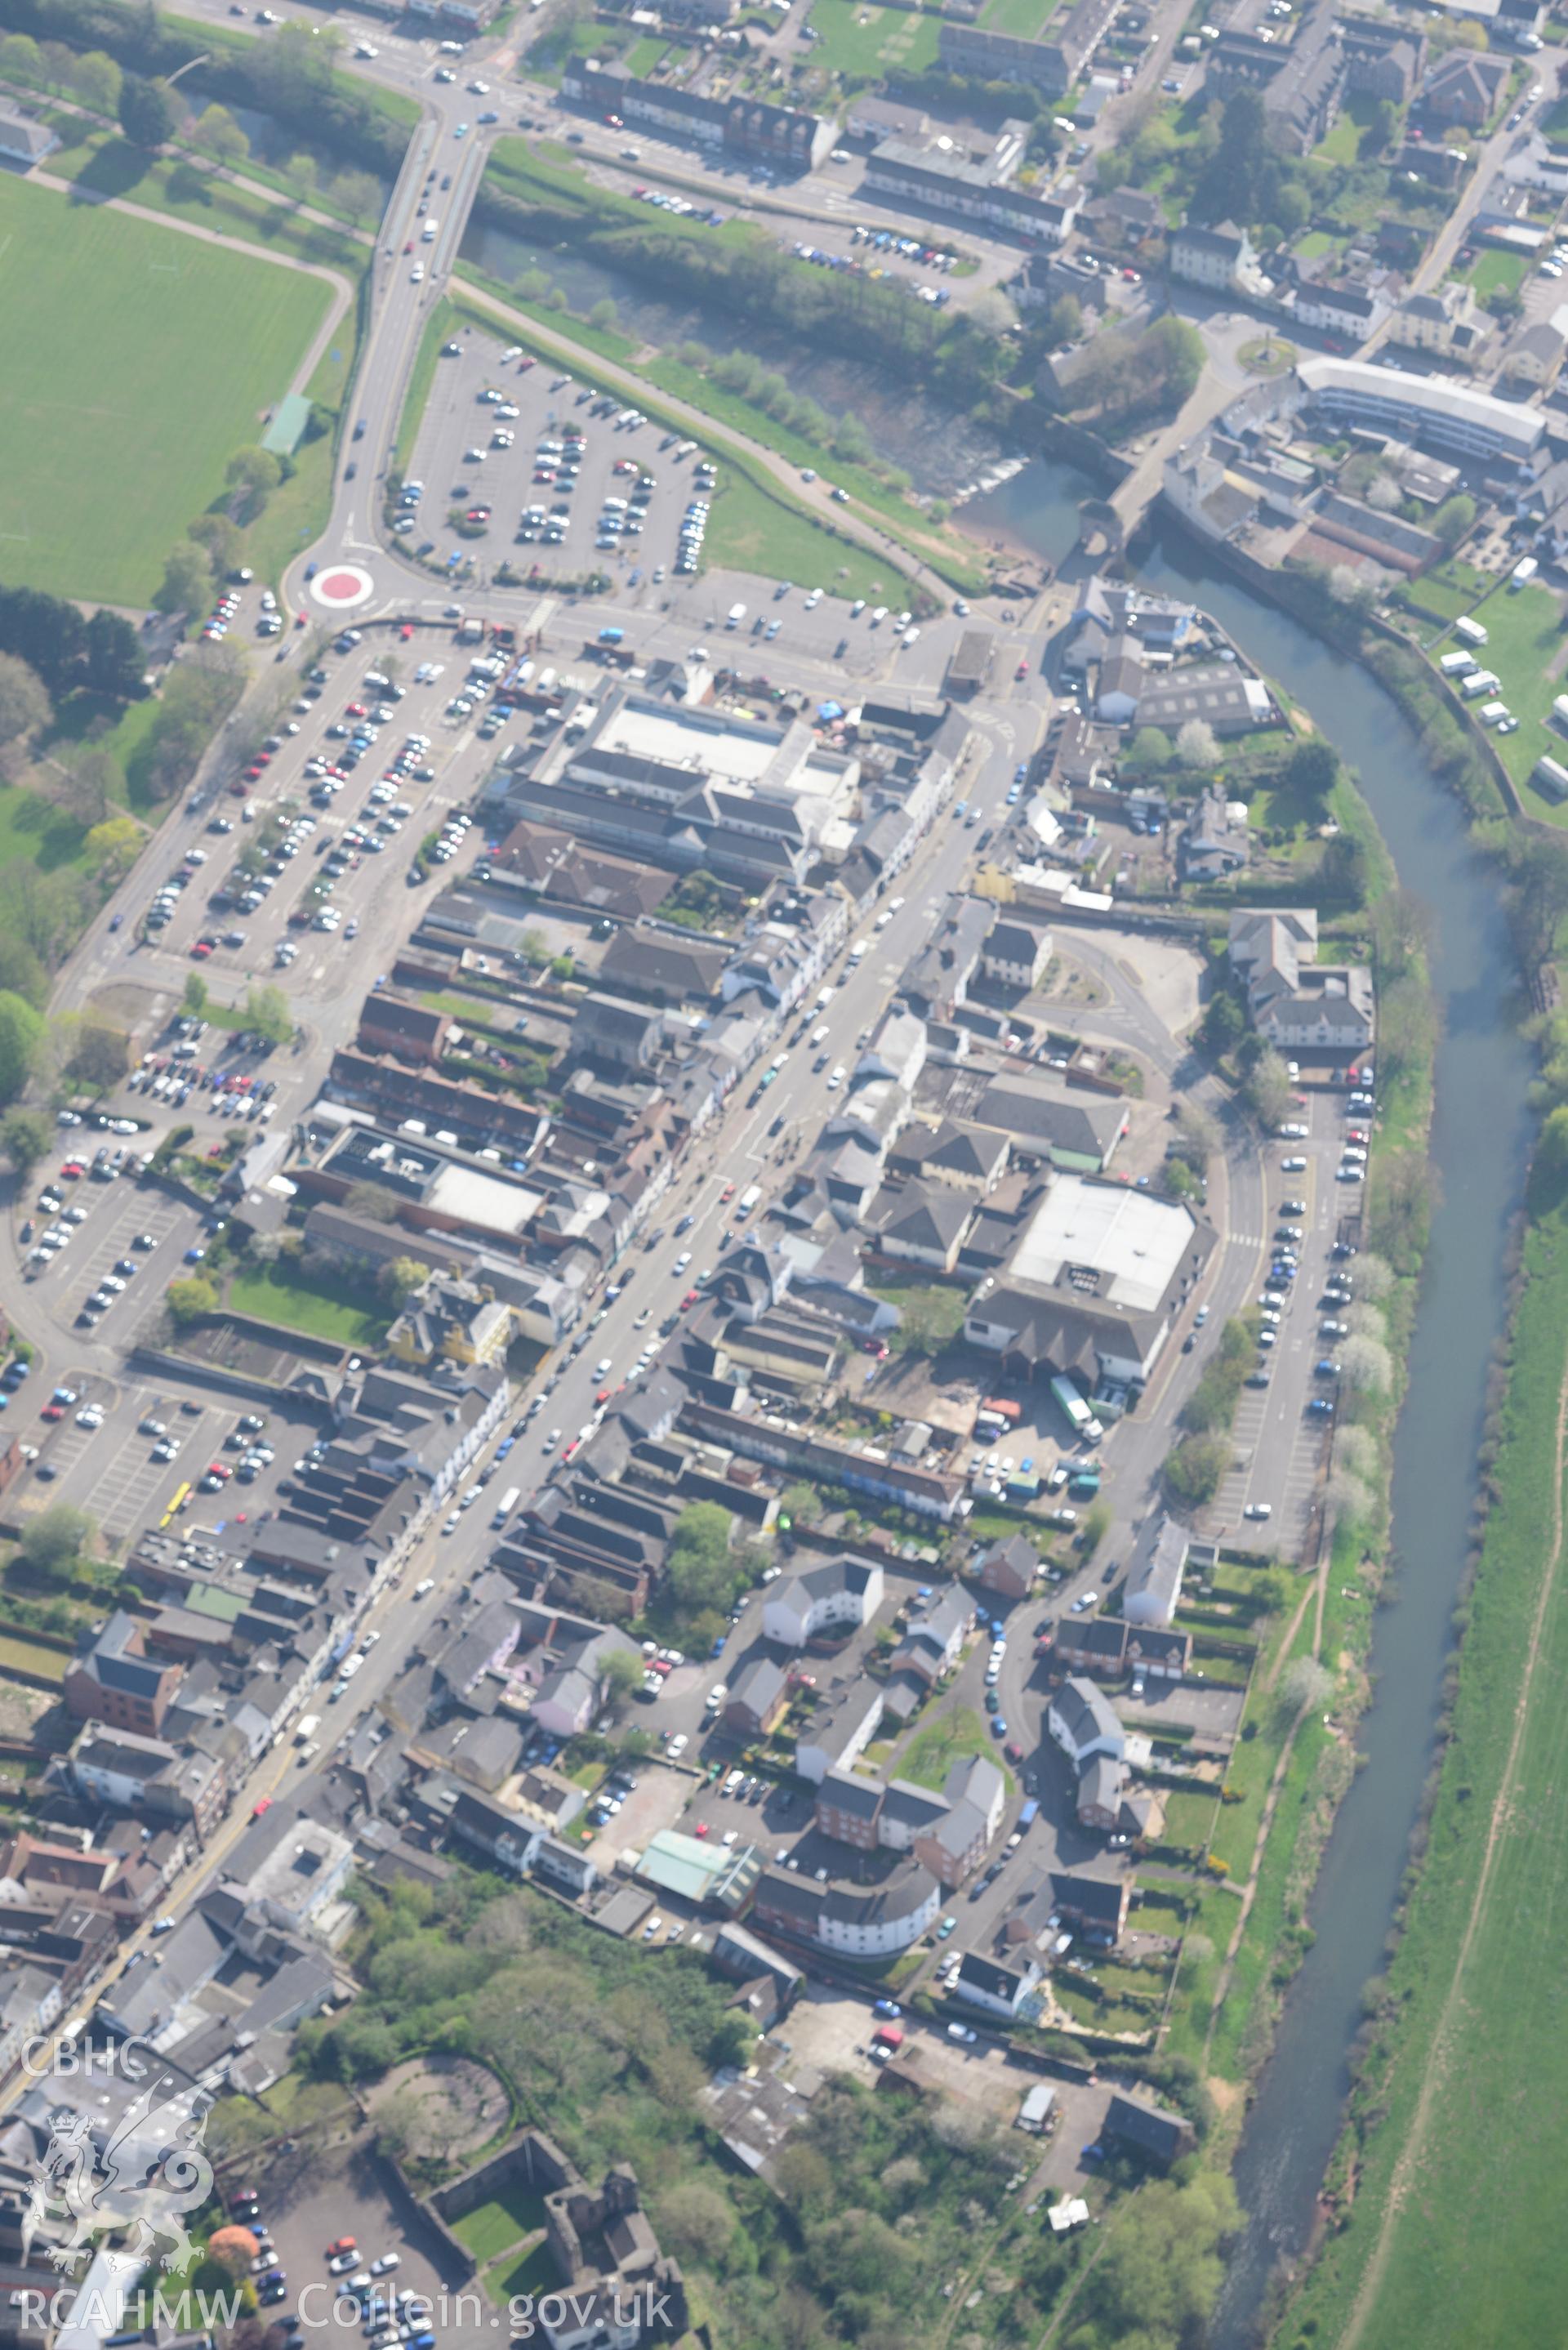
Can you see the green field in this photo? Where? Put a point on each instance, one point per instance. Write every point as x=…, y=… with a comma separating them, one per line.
x=956, y=1731
x=312, y=1302
x=1493, y=271
x=135, y=361
x=1460, y=2131
x=17, y=1650
x=864, y=43
x=1524, y=648
x=1026, y=19
x=505, y=2219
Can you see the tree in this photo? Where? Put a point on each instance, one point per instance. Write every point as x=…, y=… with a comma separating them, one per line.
x=20, y=969
x=219, y=135
x=622, y=1675
x=256, y=471
x=1310, y=772
x=55, y=1543
x=1268, y=1090
x=1196, y=745
x=1197, y=1133
x=1537, y=868
x=699, y=2219
x=267, y=1011
x=801, y=1503
x=359, y=194
x=369, y=1201
x=1347, y=1499
x=97, y=82
x=604, y=313
x=1159, y=2276
x=1194, y=1469
x=111, y=848
x=1150, y=747
x=701, y=1574
x=147, y=113
x=195, y=996
x=91, y=781
x=190, y=1300
x=400, y=1277
x=1291, y=209
x=21, y=59
x=1304, y=1686
x=1064, y=321
x=1236, y=183
x=187, y=579
x=1455, y=519
x=222, y=537
x=94, y=1051
x=116, y=665
x=1367, y=1365
x=21, y=1036
x=28, y=1137
x=25, y=705
x=1224, y=1023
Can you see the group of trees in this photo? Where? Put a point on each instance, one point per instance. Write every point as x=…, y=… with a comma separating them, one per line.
x=873, y=2205
x=742, y=373
x=291, y=75
x=704, y=1574
x=1194, y=1467
x=60, y=1544
x=1126, y=374
x=68, y=653
x=198, y=695
x=756, y=278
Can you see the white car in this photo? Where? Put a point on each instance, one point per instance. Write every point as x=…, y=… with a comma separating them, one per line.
x=1259, y=1510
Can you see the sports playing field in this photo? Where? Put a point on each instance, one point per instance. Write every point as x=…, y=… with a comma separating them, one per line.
x=134, y=361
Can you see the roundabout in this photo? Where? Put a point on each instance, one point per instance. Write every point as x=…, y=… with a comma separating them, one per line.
x=341, y=587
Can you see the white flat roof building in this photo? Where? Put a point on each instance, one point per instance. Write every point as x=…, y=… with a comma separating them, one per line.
x=1433, y=408
x=1132, y=1242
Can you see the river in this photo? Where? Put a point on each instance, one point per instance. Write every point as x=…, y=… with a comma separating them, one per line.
x=1480, y=1137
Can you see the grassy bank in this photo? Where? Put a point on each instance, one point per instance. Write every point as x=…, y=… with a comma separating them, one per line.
x=1462, y=2079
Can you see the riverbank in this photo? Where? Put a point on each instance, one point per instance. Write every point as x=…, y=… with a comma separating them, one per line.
x=1443, y=2190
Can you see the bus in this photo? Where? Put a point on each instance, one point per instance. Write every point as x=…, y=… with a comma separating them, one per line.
x=181, y=1501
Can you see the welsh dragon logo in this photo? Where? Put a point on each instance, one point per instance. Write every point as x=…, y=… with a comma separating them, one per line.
x=149, y=2174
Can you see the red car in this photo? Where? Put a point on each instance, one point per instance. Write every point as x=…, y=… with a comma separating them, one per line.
x=53, y=1412
x=343, y=2244
x=201, y=950
x=1021, y=671
x=700, y=1829
x=357, y=710
x=524, y=364
x=408, y=630
x=72, y=1169
x=660, y=1665
x=221, y=1470
x=1013, y=1752
x=263, y=1803
x=575, y=1446
x=690, y=1299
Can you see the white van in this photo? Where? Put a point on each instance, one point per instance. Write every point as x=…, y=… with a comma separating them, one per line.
x=736, y=614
